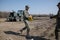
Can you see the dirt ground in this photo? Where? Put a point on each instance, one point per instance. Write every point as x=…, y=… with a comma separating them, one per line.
x=42, y=29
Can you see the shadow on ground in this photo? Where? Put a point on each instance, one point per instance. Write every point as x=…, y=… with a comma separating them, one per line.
x=26, y=36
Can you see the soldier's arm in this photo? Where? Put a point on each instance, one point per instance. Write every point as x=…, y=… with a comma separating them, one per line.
x=53, y=16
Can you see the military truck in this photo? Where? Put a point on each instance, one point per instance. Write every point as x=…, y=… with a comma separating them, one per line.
x=13, y=16
x=20, y=15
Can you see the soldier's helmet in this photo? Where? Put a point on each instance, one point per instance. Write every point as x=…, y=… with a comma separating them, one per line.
x=58, y=4
x=26, y=6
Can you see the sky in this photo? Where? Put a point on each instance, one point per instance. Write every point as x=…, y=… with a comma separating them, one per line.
x=36, y=6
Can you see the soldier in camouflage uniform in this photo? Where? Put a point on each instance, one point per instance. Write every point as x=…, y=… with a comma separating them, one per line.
x=25, y=19
x=57, y=29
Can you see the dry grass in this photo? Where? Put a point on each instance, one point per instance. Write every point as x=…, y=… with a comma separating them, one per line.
x=43, y=27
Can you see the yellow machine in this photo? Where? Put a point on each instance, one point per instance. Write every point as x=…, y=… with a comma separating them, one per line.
x=30, y=18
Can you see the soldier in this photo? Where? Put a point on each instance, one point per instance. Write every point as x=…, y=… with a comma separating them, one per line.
x=57, y=28
x=25, y=19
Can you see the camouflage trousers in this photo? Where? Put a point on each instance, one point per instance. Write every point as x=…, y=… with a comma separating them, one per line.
x=26, y=26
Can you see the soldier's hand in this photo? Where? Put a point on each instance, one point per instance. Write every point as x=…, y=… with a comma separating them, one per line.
x=51, y=17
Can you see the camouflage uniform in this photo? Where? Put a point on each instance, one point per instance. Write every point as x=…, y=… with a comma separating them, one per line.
x=25, y=19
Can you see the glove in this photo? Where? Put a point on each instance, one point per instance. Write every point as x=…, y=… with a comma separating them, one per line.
x=30, y=18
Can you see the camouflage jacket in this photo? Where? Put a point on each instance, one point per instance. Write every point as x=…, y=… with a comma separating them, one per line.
x=25, y=14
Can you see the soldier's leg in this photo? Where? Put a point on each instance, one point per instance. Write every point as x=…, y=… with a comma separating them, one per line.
x=23, y=28
x=56, y=34
x=28, y=30
x=26, y=26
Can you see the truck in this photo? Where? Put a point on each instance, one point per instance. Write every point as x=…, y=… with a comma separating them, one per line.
x=15, y=16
